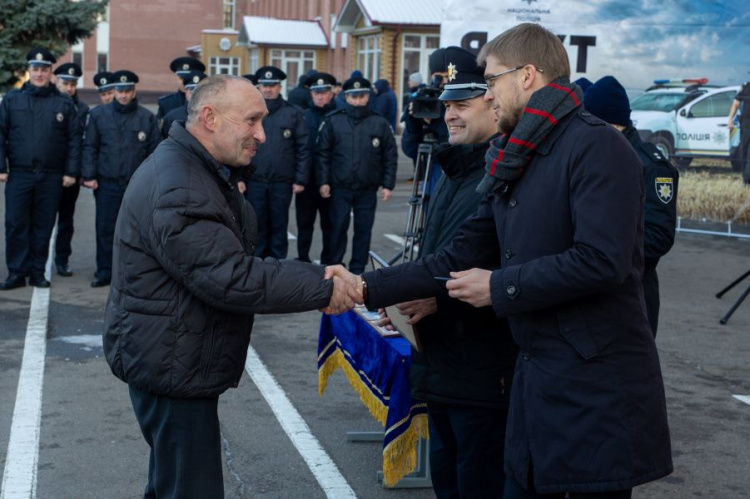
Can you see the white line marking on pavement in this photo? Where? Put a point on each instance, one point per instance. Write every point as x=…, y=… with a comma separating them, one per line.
x=743, y=398
x=322, y=466
x=19, y=477
x=86, y=340
x=400, y=241
x=290, y=236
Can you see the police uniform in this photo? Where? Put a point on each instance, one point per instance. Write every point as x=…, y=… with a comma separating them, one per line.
x=309, y=202
x=283, y=160
x=40, y=142
x=190, y=80
x=180, y=66
x=118, y=138
x=70, y=72
x=608, y=100
x=356, y=154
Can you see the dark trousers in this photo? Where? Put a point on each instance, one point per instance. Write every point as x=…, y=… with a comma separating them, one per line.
x=108, y=196
x=65, y=223
x=466, y=451
x=308, y=204
x=271, y=201
x=31, y=202
x=363, y=203
x=513, y=490
x=185, y=442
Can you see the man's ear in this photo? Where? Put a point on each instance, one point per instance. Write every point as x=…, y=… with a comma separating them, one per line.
x=208, y=117
x=532, y=78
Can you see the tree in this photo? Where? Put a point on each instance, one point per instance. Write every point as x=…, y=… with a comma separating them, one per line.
x=53, y=24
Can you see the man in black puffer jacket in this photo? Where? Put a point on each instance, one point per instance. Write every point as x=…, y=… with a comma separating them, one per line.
x=185, y=286
x=465, y=367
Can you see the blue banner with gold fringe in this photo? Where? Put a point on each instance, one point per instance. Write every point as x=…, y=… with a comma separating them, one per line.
x=377, y=367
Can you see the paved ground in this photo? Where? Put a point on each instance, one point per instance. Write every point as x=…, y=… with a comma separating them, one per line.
x=91, y=446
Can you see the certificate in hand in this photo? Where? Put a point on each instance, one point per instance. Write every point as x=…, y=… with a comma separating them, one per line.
x=398, y=321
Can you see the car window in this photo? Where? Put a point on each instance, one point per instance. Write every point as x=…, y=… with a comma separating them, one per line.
x=715, y=106
x=656, y=101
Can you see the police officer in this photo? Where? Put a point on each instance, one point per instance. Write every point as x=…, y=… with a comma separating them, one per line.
x=309, y=202
x=40, y=154
x=118, y=138
x=189, y=81
x=280, y=168
x=67, y=83
x=607, y=100
x=105, y=86
x=180, y=66
x=356, y=154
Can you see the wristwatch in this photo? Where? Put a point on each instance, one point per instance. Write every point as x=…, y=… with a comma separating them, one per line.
x=364, y=289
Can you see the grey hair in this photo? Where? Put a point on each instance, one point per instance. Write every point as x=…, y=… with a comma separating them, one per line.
x=209, y=91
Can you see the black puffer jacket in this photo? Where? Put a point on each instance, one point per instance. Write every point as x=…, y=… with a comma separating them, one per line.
x=185, y=285
x=356, y=150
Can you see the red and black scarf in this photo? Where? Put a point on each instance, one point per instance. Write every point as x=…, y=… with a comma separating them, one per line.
x=508, y=155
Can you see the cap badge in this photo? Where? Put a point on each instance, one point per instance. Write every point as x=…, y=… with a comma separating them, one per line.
x=321, y=81
x=123, y=79
x=269, y=75
x=186, y=66
x=452, y=72
x=39, y=56
x=357, y=84
x=375, y=142
x=142, y=136
x=60, y=117
x=196, y=79
x=287, y=133
x=71, y=71
x=102, y=81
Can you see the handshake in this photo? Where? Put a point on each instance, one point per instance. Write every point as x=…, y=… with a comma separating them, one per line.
x=348, y=290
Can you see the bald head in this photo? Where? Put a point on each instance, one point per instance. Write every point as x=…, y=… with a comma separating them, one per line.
x=225, y=115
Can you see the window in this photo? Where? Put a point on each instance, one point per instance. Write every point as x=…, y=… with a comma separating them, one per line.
x=253, y=60
x=416, y=55
x=294, y=63
x=368, y=56
x=102, y=62
x=229, y=14
x=715, y=106
x=224, y=66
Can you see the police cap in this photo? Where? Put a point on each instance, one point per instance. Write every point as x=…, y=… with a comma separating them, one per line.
x=69, y=71
x=270, y=75
x=103, y=81
x=40, y=57
x=465, y=78
x=356, y=85
x=253, y=79
x=191, y=79
x=183, y=65
x=320, y=82
x=124, y=79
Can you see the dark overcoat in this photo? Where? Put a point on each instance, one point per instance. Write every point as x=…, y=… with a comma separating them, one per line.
x=588, y=411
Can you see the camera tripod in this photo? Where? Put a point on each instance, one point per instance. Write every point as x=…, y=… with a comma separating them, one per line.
x=420, y=195
x=739, y=301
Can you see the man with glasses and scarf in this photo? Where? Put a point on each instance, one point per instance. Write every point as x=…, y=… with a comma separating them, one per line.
x=557, y=248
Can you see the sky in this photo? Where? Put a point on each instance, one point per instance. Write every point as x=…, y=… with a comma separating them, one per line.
x=637, y=41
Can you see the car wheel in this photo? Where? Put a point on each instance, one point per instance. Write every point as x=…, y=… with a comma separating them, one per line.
x=664, y=145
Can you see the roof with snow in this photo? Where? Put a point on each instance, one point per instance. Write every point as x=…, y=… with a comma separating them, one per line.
x=270, y=31
x=394, y=12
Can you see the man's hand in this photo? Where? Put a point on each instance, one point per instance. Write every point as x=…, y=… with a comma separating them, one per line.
x=340, y=299
x=325, y=191
x=241, y=186
x=418, y=309
x=386, y=193
x=3, y=177
x=471, y=286
x=354, y=283
x=68, y=181
x=91, y=184
x=297, y=188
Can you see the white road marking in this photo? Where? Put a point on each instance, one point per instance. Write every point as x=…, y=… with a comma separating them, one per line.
x=322, y=466
x=400, y=241
x=743, y=398
x=88, y=341
x=20, y=474
x=290, y=236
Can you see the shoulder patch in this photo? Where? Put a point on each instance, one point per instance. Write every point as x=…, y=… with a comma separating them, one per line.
x=664, y=189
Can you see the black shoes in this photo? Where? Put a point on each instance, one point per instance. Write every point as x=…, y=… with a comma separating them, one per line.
x=64, y=270
x=38, y=281
x=100, y=282
x=12, y=282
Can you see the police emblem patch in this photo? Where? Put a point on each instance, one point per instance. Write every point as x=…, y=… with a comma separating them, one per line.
x=186, y=67
x=321, y=81
x=123, y=79
x=39, y=56
x=452, y=72
x=71, y=71
x=357, y=84
x=196, y=79
x=60, y=117
x=287, y=133
x=375, y=142
x=664, y=189
x=269, y=75
x=102, y=81
x=141, y=136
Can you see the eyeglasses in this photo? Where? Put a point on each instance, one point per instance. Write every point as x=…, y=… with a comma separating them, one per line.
x=490, y=79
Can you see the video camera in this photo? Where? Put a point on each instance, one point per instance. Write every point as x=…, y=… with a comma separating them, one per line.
x=425, y=103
